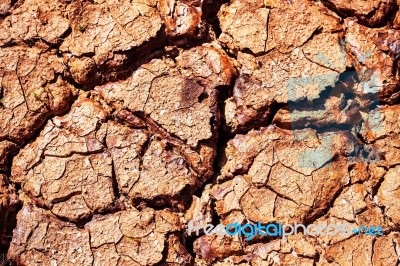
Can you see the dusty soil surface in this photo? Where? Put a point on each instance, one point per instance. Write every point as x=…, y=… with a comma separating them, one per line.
x=123, y=121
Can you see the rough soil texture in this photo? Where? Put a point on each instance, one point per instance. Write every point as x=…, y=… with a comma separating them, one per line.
x=121, y=121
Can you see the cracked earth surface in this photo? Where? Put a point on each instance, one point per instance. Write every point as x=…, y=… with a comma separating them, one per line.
x=121, y=121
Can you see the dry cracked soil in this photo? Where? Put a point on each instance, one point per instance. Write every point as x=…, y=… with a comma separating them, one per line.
x=121, y=121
